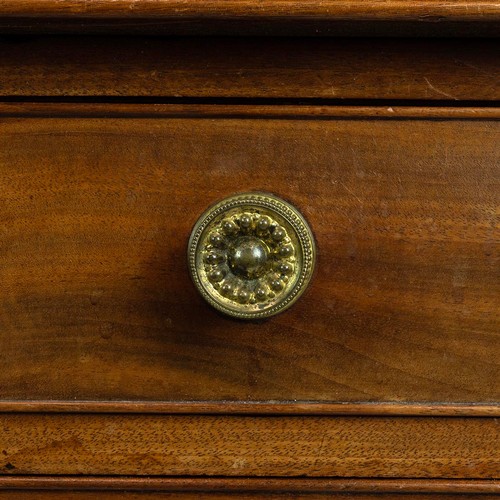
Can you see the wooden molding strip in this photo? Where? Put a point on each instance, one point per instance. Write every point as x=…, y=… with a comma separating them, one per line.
x=169, y=484
x=428, y=10
x=257, y=408
x=120, y=110
x=243, y=17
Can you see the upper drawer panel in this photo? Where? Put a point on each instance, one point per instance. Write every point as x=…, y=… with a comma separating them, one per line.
x=260, y=68
x=95, y=296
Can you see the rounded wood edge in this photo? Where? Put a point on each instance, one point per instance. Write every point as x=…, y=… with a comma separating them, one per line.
x=257, y=408
x=383, y=486
x=356, y=10
x=269, y=111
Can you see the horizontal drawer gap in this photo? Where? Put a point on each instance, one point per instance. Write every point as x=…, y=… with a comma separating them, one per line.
x=248, y=101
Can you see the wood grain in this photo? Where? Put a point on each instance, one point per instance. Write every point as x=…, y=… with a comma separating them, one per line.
x=96, y=303
x=257, y=485
x=253, y=408
x=81, y=495
x=42, y=487
x=250, y=446
x=350, y=9
x=237, y=17
x=33, y=109
x=334, y=69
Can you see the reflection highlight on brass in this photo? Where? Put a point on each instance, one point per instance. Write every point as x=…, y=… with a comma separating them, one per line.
x=251, y=255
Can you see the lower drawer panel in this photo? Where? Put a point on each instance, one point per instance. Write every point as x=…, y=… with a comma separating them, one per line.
x=153, y=445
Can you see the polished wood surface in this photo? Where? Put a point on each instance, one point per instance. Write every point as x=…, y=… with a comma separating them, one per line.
x=237, y=17
x=257, y=485
x=254, y=408
x=250, y=446
x=35, y=109
x=42, y=487
x=118, y=381
x=334, y=69
x=324, y=9
x=126, y=495
x=96, y=301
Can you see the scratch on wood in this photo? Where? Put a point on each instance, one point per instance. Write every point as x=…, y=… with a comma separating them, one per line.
x=439, y=91
x=351, y=192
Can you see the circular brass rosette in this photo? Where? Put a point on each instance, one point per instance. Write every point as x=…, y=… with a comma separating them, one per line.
x=251, y=255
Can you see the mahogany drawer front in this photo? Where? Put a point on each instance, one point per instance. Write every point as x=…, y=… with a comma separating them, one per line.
x=98, y=202
x=263, y=68
x=118, y=380
x=250, y=446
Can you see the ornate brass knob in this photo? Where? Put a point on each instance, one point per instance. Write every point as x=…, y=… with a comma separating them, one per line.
x=251, y=255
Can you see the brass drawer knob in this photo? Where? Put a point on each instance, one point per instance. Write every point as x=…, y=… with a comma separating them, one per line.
x=251, y=255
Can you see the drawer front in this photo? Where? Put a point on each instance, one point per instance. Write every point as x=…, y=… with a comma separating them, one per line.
x=253, y=446
x=98, y=203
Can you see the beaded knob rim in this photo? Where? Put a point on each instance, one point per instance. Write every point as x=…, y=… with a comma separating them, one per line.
x=303, y=249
